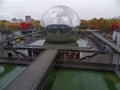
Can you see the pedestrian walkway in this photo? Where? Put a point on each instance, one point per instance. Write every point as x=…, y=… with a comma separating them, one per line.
x=34, y=73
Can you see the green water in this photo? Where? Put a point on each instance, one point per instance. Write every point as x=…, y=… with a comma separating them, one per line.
x=8, y=72
x=70, y=79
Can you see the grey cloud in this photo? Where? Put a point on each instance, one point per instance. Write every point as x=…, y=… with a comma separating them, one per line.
x=86, y=9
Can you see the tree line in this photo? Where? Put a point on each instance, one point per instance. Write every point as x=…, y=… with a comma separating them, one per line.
x=101, y=24
x=6, y=25
x=93, y=24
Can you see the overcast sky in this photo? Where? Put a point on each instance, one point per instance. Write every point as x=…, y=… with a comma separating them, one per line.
x=86, y=9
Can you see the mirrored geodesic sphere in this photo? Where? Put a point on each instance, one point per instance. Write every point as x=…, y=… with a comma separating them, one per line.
x=60, y=15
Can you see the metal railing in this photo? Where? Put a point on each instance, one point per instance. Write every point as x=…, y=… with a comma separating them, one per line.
x=19, y=37
x=111, y=45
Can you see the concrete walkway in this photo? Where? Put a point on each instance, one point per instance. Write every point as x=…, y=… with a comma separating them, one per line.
x=34, y=73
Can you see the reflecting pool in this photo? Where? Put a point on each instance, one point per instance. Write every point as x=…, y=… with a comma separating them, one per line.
x=70, y=79
x=8, y=72
x=80, y=43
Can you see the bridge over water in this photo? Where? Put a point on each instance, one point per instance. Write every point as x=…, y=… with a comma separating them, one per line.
x=33, y=75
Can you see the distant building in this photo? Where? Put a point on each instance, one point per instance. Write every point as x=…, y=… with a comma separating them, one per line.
x=28, y=18
x=14, y=19
x=32, y=19
x=20, y=20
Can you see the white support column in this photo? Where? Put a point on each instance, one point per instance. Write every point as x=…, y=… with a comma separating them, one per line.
x=64, y=56
x=118, y=38
x=74, y=56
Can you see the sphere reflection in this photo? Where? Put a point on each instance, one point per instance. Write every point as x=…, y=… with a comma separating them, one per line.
x=60, y=15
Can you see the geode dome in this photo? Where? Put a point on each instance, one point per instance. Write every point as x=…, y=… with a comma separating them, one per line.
x=60, y=15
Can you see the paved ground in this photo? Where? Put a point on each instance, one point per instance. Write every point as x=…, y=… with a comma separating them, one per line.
x=27, y=79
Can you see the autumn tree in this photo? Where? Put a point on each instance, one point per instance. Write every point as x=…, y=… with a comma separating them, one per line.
x=104, y=25
x=36, y=24
x=83, y=24
x=92, y=24
x=14, y=26
x=4, y=25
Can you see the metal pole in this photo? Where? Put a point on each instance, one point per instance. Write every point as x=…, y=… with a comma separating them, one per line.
x=1, y=51
x=117, y=64
x=111, y=58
